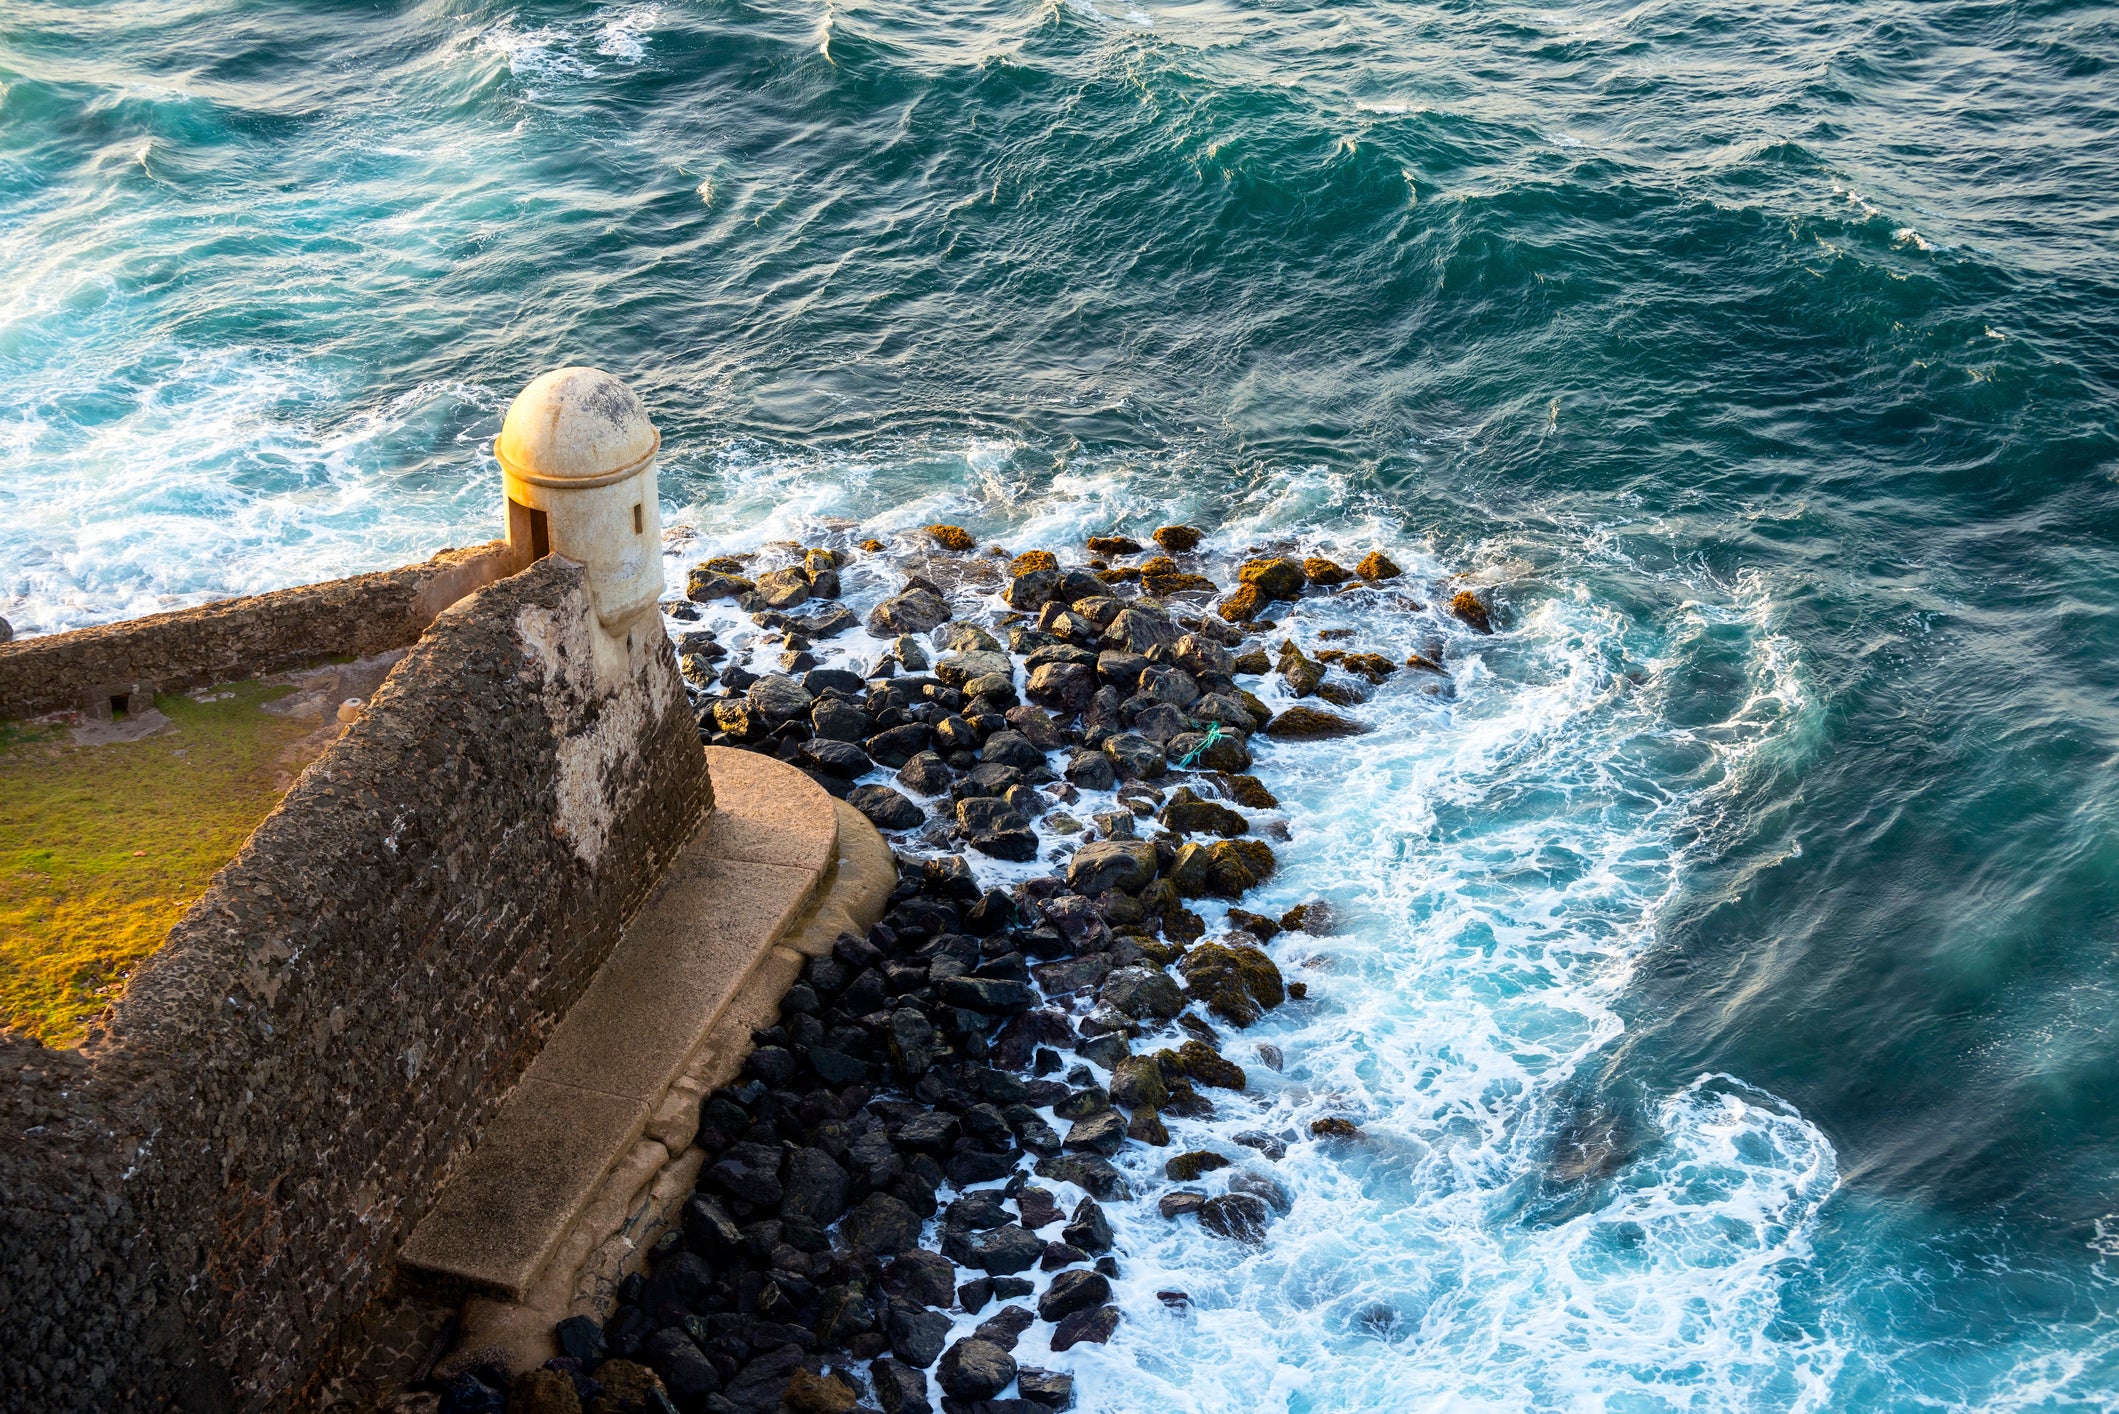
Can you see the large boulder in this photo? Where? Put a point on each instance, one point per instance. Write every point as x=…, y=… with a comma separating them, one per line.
x=1135, y=757
x=1125, y=865
x=1472, y=610
x=1300, y=723
x=914, y=611
x=961, y=668
x=778, y=698
x=1064, y=687
x=993, y=828
x=1143, y=992
x=881, y=1223
x=1279, y=578
x=885, y=808
x=1073, y=1291
x=1138, y=630
x=975, y=1369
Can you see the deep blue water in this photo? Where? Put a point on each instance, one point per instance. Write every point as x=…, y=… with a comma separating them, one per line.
x=1730, y=983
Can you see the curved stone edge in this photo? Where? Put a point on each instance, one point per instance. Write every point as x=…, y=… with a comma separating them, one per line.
x=643, y=1194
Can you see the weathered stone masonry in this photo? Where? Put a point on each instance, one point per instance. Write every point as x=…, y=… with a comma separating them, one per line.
x=240, y=638
x=194, y=1206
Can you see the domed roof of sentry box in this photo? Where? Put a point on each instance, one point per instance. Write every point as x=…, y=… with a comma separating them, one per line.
x=576, y=427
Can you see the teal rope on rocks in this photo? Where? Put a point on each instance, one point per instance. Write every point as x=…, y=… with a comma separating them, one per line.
x=1213, y=735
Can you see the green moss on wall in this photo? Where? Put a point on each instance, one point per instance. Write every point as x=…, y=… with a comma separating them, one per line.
x=102, y=848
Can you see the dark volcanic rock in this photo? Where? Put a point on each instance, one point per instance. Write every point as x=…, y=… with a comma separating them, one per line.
x=975, y=1369
x=885, y=808
x=900, y=1388
x=926, y=773
x=928, y=1278
x=1047, y=1388
x=1135, y=757
x=1073, y=1291
x=1006, y=1326
x=917, y=1334
x=991, y=827
x=1001, y=1251
x=815, y=1188
x=1240, y=1217
x=1094, y=1325
x=882, y=1223
x=899, y=744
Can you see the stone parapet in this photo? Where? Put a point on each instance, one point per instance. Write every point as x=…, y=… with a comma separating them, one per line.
x=241, y=638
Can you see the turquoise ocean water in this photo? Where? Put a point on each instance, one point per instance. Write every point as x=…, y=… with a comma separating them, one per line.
x=1730, y=985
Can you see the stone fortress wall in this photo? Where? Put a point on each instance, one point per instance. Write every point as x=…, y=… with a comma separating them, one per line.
x=197, y=1204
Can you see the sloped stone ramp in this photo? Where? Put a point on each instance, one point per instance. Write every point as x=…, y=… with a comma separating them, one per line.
x=586, y=1161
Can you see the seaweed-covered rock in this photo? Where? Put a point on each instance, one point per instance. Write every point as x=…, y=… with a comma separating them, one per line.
x=1321, y=571
x=783, y=589
x=1468, y=607
x=1209, y=1067
x=1279, y=578
x=808, y=1393
x=1234, y=866
x=952, y=537
x=1186, y=813
x=1301, y=723
x=1142, y=993
x=1376, y=565
x=1302, y=673
x=1243, y=604
x=1177, y=539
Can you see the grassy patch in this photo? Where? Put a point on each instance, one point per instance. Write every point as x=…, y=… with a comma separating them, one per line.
x=102, y=848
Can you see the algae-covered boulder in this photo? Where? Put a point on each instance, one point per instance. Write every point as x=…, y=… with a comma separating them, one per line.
x=1244, y=604
x=1312, y=724
x=1280, y=578
x=1177, y=539
x=1302, y=673
x=1234, y=866
x=1321, y=571
x=1472, y=610
x=1376, y=565
x=1235, y=981
x=951, y=537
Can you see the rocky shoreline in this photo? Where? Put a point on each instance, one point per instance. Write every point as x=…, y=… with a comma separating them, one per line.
x=910, y=1182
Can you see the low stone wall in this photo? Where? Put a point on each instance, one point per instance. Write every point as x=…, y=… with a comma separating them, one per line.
x=195, y=1205
x=241, y=638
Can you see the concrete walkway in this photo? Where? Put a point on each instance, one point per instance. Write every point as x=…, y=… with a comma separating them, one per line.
x=775, y=873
